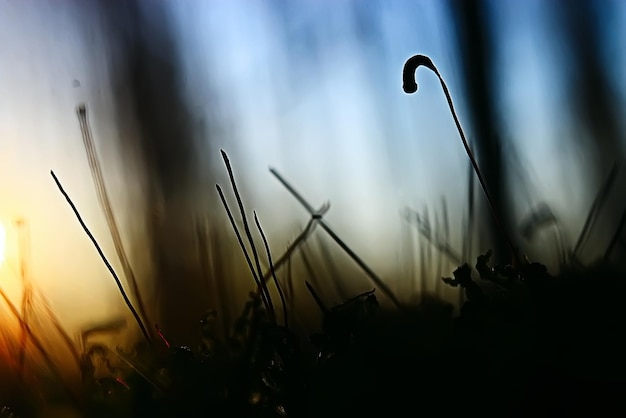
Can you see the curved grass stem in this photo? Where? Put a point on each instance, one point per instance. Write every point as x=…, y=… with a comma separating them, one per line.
x=410, y=86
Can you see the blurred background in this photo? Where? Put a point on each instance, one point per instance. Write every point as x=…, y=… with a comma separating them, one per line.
x=313, y=89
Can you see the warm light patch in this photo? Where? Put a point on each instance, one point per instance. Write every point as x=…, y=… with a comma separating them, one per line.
x=3, y=236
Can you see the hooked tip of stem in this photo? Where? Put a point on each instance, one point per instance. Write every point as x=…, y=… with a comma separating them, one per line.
x=410, y=89
x=409, y=85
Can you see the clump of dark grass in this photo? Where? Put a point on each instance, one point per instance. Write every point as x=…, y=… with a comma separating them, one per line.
x=258, y=274
x=371, y=362
x=524, y=328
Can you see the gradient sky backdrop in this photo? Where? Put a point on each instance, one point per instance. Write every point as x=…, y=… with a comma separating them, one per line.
x=312, y=88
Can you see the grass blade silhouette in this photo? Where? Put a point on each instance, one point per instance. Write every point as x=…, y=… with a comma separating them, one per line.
x=305, y=234
x=259, y=284
x=269, y=259
x=104, y=259
x=410, y=86
x=615, y=239
x=468, y=234
x=413, y=217
x=594, y=211
x=317, y=298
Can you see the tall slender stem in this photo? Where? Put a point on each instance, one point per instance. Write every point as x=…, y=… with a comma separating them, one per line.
x=144, y=331
x=410, y=86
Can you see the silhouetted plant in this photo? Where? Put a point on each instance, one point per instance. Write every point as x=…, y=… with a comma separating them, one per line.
x=410, y=86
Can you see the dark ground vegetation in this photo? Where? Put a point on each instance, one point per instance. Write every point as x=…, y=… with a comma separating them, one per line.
x=525, y=343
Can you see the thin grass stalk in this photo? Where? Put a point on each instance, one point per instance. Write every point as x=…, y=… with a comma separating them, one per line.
x=120, y=355
x=27, y=293
x=446, y=222
x=357, y=297
x=442, y=246
x=259, y=285
x=423, y=271
x=468, y=235
x=212, y=280
x=316, y=297
x=313, y=277
x=64, y=335
x=615, y=239
x=26, y=310
x=269, y=259
x=373, y=276
x=411, y=254
x=559, y=242
x=330, y=266
x=594, y=211
x=428, y=248
x=219, y=273
x=410, y=86
x=308, y=265
x=203, y=255
x=290, y=290
x=105, y=204
x=305, y=234
x=439, y=256
x=104, y=259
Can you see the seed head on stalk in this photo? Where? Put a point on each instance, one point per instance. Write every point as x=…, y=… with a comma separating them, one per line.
x=409, y=85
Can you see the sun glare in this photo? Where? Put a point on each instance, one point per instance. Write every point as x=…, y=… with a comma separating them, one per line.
x=3, y=236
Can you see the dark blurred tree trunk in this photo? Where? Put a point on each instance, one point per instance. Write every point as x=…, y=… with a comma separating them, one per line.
x=586, y=45
x=592, y=95
x=474, y=38
x=150, y=99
